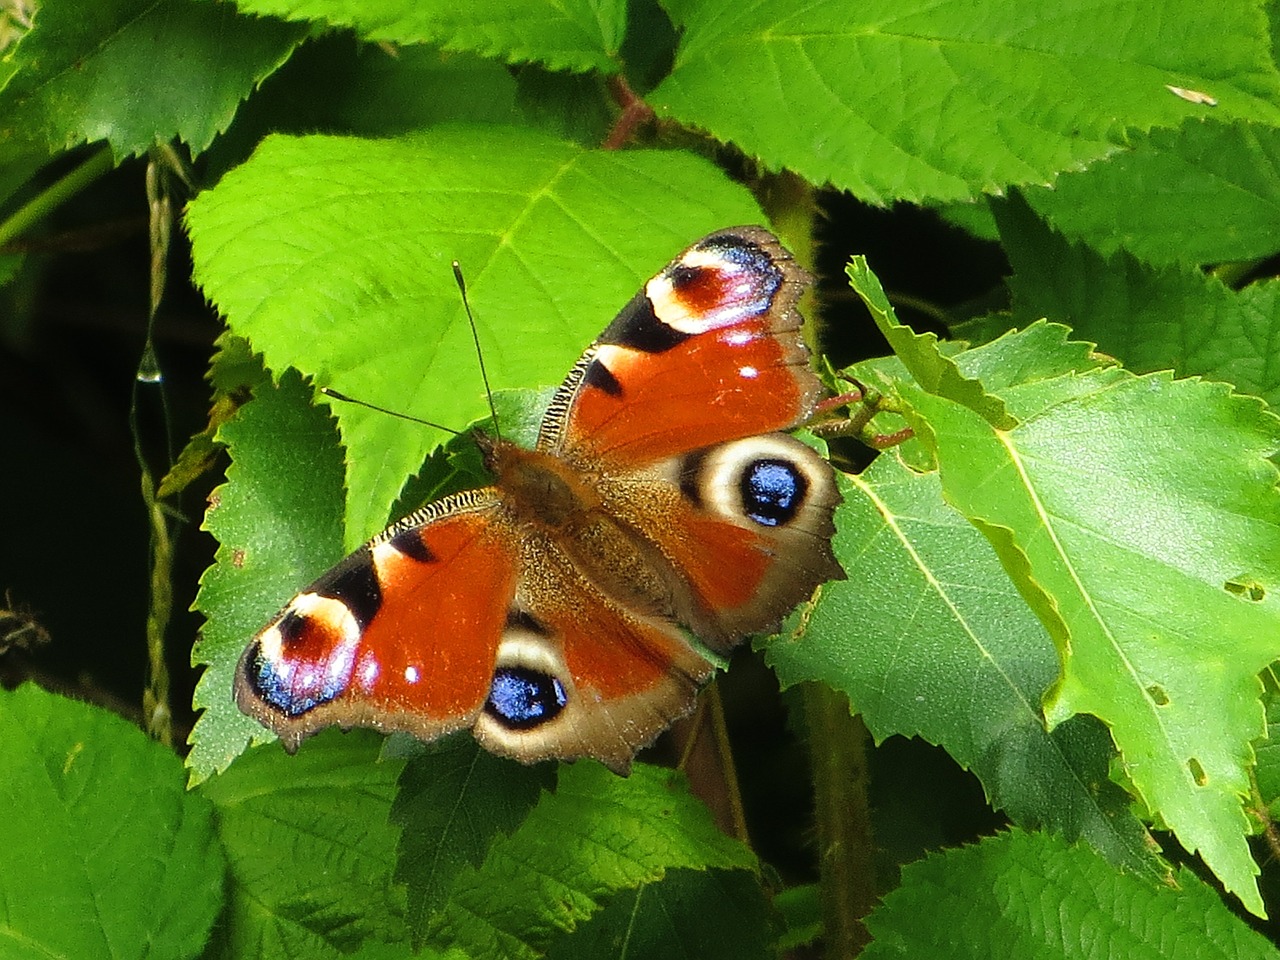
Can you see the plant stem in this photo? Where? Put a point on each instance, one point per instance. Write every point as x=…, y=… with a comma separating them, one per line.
x=53, y=195
x=634, y=112
x=155, y=700
x=842, y=813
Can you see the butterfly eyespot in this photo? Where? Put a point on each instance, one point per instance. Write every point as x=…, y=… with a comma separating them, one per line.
x=305, y=658
x=293, y=688
x=772, y=491
x=770, y=481
x=521, y=699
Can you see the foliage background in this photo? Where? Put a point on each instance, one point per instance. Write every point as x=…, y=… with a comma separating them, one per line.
x=1066, y=582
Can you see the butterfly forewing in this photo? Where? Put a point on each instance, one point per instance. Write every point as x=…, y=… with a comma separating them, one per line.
x=401, y=635
x=710, y=350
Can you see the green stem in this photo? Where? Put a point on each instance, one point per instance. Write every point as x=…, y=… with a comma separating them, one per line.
x=842, y=814
x=155, y=699
x=40, y=206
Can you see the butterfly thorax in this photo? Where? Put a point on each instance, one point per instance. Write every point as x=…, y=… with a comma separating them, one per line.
x=565, y=510
x=542, y=489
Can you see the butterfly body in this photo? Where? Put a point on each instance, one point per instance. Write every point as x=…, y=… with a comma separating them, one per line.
x=547, y=611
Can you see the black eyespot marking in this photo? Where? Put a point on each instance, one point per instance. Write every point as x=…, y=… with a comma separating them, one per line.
x=638, y=327
x=691, y=469
x=523, y=620
x=599, y=376
x=291, y=626
x=683, y=276
x=521, y=699
x=742, y=252
x=772, y=491
x=409, y=542
x=354, y=583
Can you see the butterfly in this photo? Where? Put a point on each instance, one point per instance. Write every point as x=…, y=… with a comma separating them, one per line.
x=548, y=612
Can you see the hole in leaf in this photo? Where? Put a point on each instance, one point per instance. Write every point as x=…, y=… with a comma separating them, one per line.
x=1246, y=588
x=1197, y=772
x=1157, y=695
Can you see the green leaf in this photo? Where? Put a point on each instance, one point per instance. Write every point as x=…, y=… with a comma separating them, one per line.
x=1033, y=897
x=278, y=523
x=451, y=804
x=946, y=649
x=1151, y=318
x=1103, y=512
x=337, y=84
x=568, y=35
x=688, y=913
x=133, y=72
x=596, y=835
x=1203, y=193
x=103, y=853
x=311, y=848
x=1043, y=351
x=1267, y=773
x=920, y=353
x=801, y=910
x=333, y=255
x=946, y=100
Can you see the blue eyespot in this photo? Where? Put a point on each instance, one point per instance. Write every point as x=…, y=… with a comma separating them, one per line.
x=772, y=492
x=521, y=698
x=295, y=687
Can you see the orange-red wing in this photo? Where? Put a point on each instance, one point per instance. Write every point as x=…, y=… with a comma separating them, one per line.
x=401, y=635
x=710, y=350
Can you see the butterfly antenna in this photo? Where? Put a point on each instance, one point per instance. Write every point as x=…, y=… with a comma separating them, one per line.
x=330, y=392
x=475, y=338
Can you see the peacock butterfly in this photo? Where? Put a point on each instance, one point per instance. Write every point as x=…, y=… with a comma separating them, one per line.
x=545, y=612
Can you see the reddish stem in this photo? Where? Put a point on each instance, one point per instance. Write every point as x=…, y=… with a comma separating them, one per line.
x=832, y=403
x=634, y=112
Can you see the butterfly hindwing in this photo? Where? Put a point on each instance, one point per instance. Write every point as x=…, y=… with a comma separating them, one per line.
x=750, y=533
x=602, y=680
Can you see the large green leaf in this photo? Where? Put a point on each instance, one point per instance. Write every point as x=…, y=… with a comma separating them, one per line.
x=1128, y=511
x=133, y=72
x=946, y=649
x=565, y=35
x=311, y=849
x=103, y=853
x=1101, y=507
x=1033, y=897
x=278, y=522
x=1203, y=193
x=1152, y=318
x=596, y=835
x=452, y=803
x=944, y=100
x=332, y=255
